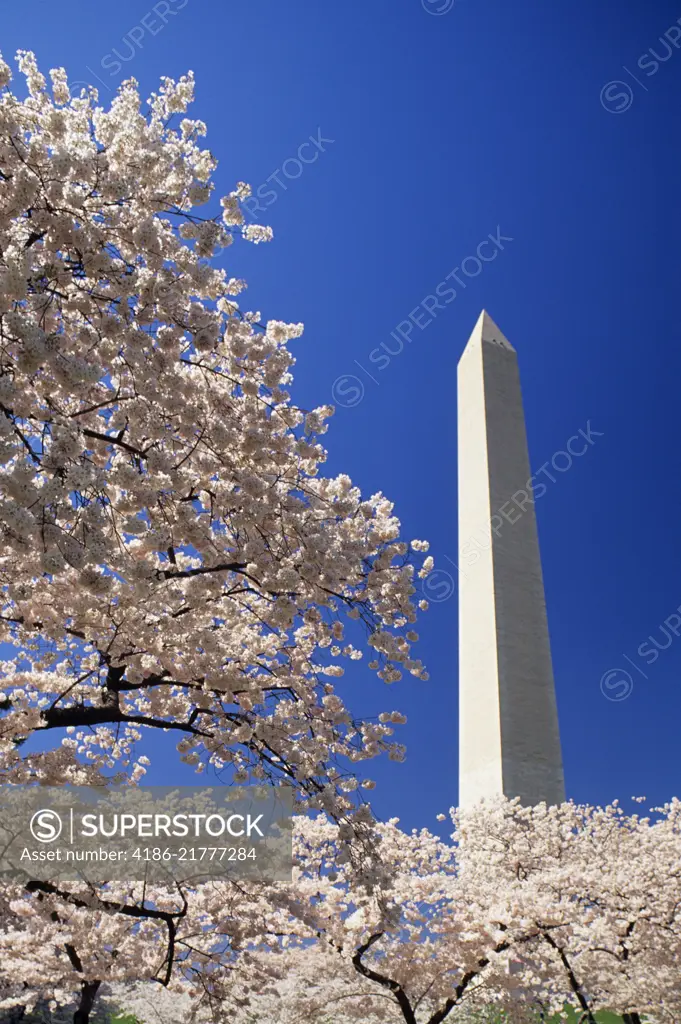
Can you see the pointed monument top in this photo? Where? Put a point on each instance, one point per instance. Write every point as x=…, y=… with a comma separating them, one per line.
x=486, y=330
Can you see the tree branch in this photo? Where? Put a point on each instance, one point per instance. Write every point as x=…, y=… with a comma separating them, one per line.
x=87, y=715
x=572, y=978
x=141, y=913
x=394, y=986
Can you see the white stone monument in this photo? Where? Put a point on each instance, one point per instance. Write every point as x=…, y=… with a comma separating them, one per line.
x=509, y=741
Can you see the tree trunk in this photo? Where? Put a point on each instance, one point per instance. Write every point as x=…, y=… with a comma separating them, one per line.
x=88, y=993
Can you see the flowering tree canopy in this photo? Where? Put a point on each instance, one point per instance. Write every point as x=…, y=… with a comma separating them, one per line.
x=525, y=911
x=170, y=555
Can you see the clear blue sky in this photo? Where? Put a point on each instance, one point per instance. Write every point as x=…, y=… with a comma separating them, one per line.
x=446, y=127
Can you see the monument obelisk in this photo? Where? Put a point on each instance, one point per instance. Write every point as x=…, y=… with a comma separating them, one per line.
x=509, y=742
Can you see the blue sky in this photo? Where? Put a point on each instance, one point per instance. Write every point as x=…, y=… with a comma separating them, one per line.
x=441, y=129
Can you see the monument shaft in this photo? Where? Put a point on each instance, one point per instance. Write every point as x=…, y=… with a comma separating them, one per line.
x=509, y=742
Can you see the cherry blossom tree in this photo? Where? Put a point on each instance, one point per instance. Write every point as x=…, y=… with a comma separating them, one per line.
x=171, y=556
x=525, y=911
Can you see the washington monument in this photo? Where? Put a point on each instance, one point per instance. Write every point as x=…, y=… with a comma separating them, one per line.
x=509, y=741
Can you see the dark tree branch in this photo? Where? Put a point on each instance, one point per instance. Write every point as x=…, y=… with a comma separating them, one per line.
x=86, y=715
x=572, y=978
x=394, y=986
x=34, y=237
x=117, y=440
x=88, y=989
x=140, y=913
x=185, y=574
